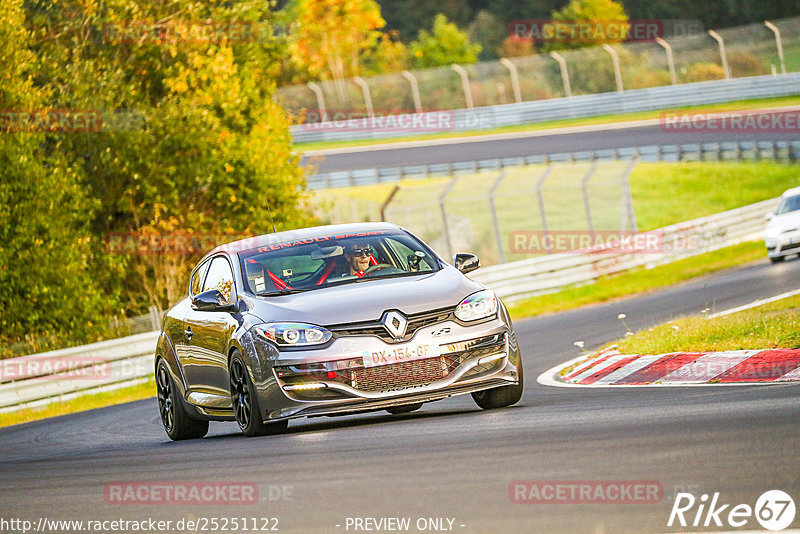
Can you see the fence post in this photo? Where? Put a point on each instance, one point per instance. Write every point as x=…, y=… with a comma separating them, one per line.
x=512, y=70
x=442, y=208
x=627, y=199
x=414, y=90
x=155, y=320
x=464, y=84
x=388, y=200
x=615, y=60
x=718, y=38
x=501, y=255
x=670, y=59
x=317, y=90
x=362, y=83
x=778, y=42
x=540, y=198
x=585, y=191
x=562, y=63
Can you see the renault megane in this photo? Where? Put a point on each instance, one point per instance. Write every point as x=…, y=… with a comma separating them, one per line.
x=330, y=320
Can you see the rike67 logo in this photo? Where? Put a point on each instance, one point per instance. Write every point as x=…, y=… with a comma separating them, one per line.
x=774, y=510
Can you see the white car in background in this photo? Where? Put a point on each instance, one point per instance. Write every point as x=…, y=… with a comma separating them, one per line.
x=782, y=235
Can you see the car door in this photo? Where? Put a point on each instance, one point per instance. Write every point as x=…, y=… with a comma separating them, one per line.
x=207, y=333
x=177, y=328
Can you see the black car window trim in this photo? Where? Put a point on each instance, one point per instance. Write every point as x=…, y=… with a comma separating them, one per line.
x=234, y=291
x=205, y=264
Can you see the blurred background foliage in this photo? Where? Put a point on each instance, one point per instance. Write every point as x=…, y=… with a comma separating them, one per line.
x=208, y=148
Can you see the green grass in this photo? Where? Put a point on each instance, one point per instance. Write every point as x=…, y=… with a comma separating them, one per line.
x=638, y=281
x=668, y=193
x=773, y=325
x=145, y=390
x=603, y=119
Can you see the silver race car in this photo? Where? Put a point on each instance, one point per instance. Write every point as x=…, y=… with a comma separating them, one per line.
x=330, y=320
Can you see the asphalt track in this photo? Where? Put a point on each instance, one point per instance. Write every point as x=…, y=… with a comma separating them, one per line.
x=470, y=149
x=450, y=459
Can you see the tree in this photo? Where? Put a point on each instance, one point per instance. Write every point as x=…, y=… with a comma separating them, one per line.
x=328, y=38
x=603, y=13
x=489, y=32
x=207, y=148
x=48, y=286
x=445, y=45
x=408, y=17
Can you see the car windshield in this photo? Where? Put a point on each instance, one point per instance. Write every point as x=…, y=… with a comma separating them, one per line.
x=789, y=204
x=326, y=260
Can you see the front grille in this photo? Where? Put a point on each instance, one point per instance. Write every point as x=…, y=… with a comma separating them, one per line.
x=399, y=375
x=375, y=328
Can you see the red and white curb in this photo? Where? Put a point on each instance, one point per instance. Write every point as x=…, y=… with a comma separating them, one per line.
x=610, y=368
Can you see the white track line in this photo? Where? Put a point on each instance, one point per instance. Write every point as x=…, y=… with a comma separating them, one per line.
x=755, y=304
x=793, y=375
x=631, y=368
x=589, y=371
x=580, y=368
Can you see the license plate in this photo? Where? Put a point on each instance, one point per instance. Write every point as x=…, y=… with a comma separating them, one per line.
x=402, y=353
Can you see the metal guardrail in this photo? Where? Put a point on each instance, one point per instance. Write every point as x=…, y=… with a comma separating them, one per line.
x=536, y=111
x=742, y=150
x=61, y=374
x=52, y=376
x=544, y=274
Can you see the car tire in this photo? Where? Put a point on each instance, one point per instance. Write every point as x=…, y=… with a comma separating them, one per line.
x=777, y=259
x=174, y=415
x=408, y=408
x=502, y=396
x=244, y=401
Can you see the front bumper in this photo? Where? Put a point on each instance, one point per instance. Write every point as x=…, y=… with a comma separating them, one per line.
x=471, y=358
x=784, y=244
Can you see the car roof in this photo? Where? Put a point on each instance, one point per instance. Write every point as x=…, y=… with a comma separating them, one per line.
x=791, y=192
x=301, y=233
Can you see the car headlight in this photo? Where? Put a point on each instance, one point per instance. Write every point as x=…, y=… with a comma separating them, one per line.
x=477, y=306
x=293, y=334
x=772, y=232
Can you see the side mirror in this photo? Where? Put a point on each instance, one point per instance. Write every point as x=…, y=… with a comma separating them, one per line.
x=768, y=217
x=466, y=262
x=212, y=300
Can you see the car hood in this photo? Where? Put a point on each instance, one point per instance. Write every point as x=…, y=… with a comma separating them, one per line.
x=366, y=301
x=785, y=221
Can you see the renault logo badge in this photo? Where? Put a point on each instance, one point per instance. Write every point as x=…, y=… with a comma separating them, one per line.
x=395, y=323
